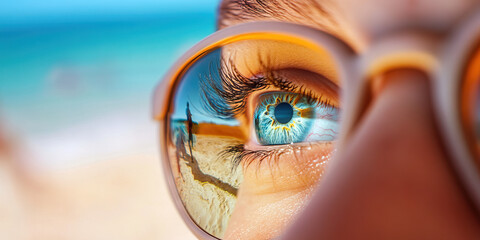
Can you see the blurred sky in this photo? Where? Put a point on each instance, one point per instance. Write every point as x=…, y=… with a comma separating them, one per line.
x=32, y=11
x=76, y=77
x=76, y=84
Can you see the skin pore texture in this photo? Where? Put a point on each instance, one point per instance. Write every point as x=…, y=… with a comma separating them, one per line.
x=392, y=179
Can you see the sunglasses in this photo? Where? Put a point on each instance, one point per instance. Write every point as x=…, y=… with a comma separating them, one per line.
x=267, y=104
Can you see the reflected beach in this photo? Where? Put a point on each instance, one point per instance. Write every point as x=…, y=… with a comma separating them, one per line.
x=206, y=176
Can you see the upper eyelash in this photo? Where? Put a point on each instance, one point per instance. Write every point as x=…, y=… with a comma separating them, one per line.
x=225, y=96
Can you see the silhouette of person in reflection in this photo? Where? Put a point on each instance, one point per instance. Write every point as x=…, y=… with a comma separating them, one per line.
x=192, y=162
x=189, y=128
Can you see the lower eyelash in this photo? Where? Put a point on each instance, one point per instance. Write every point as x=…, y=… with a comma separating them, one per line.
x=238, y=154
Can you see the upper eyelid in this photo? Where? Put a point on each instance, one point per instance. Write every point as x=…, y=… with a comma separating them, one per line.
x=323, y=96
x=226, y=97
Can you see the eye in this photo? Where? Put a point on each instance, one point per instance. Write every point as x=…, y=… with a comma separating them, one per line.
x=251, y=128
x=285, y=117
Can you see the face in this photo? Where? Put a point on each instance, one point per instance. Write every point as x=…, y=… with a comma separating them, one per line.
x=391, y=179
x=394, y=166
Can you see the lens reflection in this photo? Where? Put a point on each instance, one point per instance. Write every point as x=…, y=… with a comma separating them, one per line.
x=207, y=184
x=231, y=170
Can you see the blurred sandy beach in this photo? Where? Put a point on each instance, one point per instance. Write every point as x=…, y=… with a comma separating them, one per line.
x=79, y=154
x=122, y=197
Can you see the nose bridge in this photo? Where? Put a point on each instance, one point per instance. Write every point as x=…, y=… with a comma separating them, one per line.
x=378, y=82
x=411, y=56
x=406, y=50
x=398, y=108
x=404, y=57
x=405, y=53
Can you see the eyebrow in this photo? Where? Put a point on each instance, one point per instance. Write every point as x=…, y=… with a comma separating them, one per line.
x=307, y=12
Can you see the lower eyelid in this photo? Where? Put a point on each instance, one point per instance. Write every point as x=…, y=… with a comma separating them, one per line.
x=290, y=167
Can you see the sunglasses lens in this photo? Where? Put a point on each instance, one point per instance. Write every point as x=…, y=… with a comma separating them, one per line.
x=471, y=102
x=251, y=125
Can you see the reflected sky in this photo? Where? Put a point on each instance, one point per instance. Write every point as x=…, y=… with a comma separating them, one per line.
x=189, y=90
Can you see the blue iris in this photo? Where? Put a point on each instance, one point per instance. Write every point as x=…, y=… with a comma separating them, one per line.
x=283, y=117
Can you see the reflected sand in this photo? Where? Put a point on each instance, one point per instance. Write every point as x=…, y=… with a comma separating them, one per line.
x=207, y=181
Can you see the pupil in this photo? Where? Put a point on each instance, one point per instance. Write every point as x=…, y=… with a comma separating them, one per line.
x=283, y=112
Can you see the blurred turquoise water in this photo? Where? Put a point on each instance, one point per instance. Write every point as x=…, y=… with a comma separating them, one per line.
x=55, y=75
